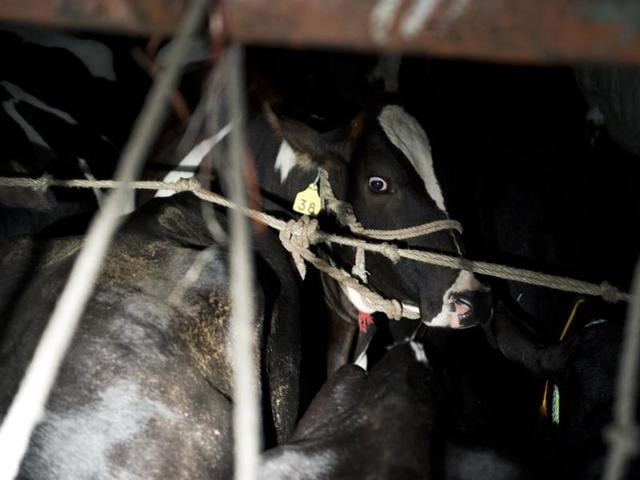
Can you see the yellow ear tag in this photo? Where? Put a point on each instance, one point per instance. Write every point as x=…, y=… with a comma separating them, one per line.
x=308, y=201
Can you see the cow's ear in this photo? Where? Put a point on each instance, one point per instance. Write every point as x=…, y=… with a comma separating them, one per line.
x=312, y=148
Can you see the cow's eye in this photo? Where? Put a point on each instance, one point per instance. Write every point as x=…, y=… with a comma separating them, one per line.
x=378, y=184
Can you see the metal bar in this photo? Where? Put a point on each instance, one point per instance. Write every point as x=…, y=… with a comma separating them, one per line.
x=139, y=17
x=534, y=31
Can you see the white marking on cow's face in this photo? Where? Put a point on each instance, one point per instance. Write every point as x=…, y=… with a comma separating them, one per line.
x=465, y=282
x=418, y=352
x=406, y=134
x=285, y=161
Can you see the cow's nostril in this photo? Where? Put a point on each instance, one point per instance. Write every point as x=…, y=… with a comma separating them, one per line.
x=459, y=305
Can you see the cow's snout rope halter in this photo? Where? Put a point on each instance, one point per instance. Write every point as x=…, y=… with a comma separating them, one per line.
x=298, y=236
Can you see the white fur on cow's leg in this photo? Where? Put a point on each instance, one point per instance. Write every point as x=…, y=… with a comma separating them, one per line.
x=406, y=134
x=189, y=164
x=285, y=161
x=465, y=282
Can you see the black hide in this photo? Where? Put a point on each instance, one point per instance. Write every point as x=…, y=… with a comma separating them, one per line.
x=145, y=389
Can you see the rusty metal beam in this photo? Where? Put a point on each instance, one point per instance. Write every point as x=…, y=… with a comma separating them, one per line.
x=536, y=31
x=137, y=17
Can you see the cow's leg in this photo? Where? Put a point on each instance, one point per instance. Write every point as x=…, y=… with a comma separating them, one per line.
x=340, y=342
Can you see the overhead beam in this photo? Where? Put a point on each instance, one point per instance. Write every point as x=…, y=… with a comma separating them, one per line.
x=135, y=17
x=534, y=31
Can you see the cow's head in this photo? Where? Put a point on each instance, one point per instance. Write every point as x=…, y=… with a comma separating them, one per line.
x=382, y=165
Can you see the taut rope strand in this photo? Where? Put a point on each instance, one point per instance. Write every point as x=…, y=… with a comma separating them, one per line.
x=608, y=292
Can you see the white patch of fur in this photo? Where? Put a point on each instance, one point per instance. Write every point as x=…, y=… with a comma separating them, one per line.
x=290, y=463
x=286, y=160
x=190, y=163
x=20, y=95
x=382, y=19
x=77, y=444
x=363, y=305
x=409, y=137
x=418, y=352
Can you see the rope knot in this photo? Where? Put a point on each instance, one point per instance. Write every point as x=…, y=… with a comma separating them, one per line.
x=390, y=251
x=186, y=185
x=297, y=237
x=609, y=293
x=42, y=183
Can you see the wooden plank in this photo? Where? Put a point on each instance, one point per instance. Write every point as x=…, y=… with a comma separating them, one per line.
x=534, y=31
x=138, y=17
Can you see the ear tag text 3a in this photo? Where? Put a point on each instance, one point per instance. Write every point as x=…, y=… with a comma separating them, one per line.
x=308, y=201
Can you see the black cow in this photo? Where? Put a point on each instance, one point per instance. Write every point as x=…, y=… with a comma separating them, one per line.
x=384, y=424
x=582, y=371
x=382, y=165
x=145, y=389
x=488, y=395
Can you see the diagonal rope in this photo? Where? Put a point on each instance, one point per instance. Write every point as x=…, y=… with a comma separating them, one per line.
x=28, y=405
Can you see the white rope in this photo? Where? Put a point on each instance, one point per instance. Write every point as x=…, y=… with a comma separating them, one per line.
x=608, y=292
x=28, y=405
x=193, y=159
x=246, y=396
x=623, y=434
